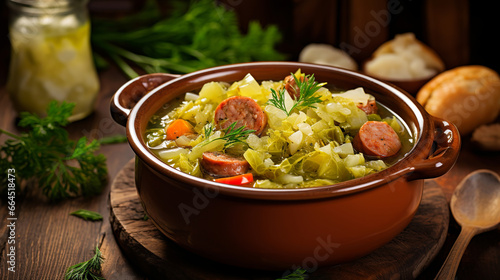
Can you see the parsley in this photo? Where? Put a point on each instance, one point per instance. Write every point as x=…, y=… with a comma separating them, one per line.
x=87, y=215
x=62, y=168
x=89, y=270
x=232, y=135
x=307, y=98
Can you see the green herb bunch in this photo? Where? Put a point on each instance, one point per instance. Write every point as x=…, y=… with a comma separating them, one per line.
x=88, y=270
x=62, y=168
x=194, y=35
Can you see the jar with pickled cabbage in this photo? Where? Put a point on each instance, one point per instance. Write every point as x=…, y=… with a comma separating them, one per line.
x=51, y=58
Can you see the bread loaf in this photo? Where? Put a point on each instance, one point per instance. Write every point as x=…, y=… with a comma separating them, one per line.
x=327, y=55
x=467, y=96
x=403, y=59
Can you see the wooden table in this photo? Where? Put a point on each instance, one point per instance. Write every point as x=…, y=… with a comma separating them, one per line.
x=48, y=239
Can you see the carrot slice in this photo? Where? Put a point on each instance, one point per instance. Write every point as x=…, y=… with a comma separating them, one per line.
x=236, y=180
x=178, y=128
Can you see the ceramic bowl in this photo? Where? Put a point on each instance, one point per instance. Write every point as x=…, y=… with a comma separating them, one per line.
x=276, y=229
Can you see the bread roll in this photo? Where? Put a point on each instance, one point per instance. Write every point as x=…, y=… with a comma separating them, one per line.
x=327, y=55
x=403, y=59
x=467, y=96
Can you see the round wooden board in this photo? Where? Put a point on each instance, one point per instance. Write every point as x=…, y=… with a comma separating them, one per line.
x=160, y=258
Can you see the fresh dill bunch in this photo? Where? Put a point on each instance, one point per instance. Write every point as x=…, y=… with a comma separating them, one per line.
x=307, y=98
x=232, y=135
x=61, y=167
x=89, y=270
x=87, y=215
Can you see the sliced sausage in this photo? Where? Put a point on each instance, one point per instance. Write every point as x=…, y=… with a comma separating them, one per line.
x=222, y=165
x=377, y=139
x=369, y=108
x=291, y=86
x=243, y=110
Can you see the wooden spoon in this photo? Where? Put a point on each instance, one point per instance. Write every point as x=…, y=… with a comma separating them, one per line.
x=475, y=205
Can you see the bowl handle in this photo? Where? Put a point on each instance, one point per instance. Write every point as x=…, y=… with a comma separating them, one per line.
x=447, y=141
x=130, y=93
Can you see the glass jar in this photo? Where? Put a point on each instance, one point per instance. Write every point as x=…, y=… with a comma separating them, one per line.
x=51, y=58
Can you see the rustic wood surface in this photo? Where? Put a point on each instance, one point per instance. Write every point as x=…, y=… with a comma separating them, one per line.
x=48, y=239
x=405, y=256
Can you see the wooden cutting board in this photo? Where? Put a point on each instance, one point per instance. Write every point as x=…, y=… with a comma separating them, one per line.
x=160, y=258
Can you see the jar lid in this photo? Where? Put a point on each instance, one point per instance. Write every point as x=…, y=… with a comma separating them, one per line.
x=37, y=6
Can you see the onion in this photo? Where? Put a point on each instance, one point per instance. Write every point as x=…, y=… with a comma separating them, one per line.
x=296, y=140
x=191, y=96
x=172, y=153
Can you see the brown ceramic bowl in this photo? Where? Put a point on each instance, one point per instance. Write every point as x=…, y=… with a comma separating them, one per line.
x=274, y=229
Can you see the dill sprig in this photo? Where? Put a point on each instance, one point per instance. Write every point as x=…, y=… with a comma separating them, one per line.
x=232, y=135
x=298, y=274
x=87, y=215
x=62, y=168
x=308, y=88
x=307, y=98
x=278, y=100
x=208, y=129
x=89, y=270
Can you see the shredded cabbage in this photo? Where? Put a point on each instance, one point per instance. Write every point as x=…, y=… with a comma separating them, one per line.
x=185, y=165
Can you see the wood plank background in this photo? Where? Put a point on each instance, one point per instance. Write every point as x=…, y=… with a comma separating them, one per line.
x=460, y=31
